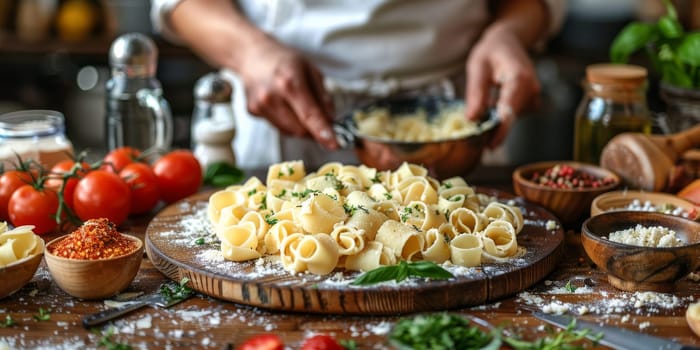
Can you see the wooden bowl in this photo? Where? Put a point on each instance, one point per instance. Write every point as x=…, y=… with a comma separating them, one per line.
x=15, y=275
x=620, y=200
x=569, y=205
x=633, y=268
x=95, y=279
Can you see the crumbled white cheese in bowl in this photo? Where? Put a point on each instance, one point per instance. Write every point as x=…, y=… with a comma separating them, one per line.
x=647, y=236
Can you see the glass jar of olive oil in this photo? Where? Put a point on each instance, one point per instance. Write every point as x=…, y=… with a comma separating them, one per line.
x=614, y=101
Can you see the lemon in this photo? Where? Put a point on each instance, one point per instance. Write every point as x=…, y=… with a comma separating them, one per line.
x=75, y=20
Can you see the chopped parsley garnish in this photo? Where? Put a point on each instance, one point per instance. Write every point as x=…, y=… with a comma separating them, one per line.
x=570, y=287
x=282, y=193
x=252, y=192
x=9, y=322
x=406, y=213
x=304, y=193
x=270, y=219
x=178, y=292
x=199, y=241
x=377, y=178
x=447, y=185
x=44, y=314
x=388, y=195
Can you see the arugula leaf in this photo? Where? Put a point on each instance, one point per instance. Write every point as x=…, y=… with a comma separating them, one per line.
x=402, y=271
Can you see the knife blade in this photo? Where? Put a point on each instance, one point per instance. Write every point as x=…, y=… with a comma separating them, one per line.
x=615, y=337
x=154, y=299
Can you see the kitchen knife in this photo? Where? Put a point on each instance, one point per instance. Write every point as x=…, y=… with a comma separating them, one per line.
x=154, y=299
x=615, y=337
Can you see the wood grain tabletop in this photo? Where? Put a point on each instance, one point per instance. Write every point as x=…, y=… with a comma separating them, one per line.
x=205, y=322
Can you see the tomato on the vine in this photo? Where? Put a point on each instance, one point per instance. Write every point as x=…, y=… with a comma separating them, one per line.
x=102, y=194
x=262, y=342
x=55, y=179
x=179, y=175
x=321, y=342
x=144, y=187
x=31, y=206
x=120, y=157
x=10, y=181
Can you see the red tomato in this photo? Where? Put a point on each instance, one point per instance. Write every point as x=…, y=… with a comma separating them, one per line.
x=144, y=187
x=10, y=181
x=55, y=179
x=321, y=342
x=262, y=342
x=102, y=194
x=29, y=206
x=120, y=157
x=179, y=175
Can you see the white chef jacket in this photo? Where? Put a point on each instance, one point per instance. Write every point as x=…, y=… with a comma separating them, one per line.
x=365, y=49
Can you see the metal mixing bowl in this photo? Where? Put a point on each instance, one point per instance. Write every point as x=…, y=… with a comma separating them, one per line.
x=444, y=158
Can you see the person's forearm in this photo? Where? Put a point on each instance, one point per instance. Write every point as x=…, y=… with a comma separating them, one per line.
x=216, y=30
x=526, y=19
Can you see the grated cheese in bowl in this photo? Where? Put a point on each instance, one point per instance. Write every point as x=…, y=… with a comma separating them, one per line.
x=653, y=236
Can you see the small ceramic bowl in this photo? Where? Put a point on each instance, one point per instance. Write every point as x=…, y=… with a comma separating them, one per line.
x=15, y=275
x=665, y=203
x=570, y=205
x=94, y=279
x=634, y=268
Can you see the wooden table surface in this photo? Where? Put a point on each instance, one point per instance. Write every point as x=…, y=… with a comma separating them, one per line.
x=204, y=322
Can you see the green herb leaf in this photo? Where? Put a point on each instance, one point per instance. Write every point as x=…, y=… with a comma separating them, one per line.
x=107, y=342
x=669, y=27
x=222, y=174
x=178, y=292
x=44, y=314
x=9, y=322
x=348, y=344
x=570, y=287
x=199, y=241
x=441, y=331
x=689, y=49
x=429, y=269
x=569, y=338
x=402, y=271
x=631, y=39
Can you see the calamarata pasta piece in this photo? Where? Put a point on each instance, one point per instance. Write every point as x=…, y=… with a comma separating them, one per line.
x=358, y=218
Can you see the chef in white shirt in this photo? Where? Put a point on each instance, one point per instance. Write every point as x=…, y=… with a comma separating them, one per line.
x=297, y=64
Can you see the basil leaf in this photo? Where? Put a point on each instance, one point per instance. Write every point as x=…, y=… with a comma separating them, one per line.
x=669, y=27
x=402, y=272
x=689, y=49
x=380, y=274
x=632, y=38
x=429, y=269
x=221, y=174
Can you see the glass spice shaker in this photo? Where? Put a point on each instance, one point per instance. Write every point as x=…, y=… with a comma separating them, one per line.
x=137, y=114
x=37, y=135
x=213, y=126
x=614, y=101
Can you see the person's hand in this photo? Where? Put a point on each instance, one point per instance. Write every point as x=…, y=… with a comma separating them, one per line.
x=500, y=60
x=288, y=91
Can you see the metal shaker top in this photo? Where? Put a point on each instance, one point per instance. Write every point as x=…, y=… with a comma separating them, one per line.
x=133, y=54
x=213, y=88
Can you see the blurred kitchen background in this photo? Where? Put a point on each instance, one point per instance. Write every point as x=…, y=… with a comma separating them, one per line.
x=54, y=55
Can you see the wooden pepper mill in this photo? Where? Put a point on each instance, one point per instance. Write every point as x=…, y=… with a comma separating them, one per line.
x=648, y=162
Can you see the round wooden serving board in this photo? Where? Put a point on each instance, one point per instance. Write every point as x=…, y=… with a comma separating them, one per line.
x=176, y=255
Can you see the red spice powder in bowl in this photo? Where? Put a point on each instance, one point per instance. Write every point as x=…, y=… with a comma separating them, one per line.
x=563, y=187
x=95, y=261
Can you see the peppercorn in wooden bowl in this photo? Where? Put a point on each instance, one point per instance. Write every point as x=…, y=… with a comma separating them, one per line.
x=563, y=187
x=642, y=250
x=95, y=261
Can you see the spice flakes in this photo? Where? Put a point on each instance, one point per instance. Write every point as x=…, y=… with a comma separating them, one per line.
x=95, y=239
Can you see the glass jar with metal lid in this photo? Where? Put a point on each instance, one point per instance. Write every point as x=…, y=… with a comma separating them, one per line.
x=614, y=101
x=38, y=135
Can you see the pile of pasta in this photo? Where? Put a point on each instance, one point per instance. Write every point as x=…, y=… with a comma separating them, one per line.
x=18, y=243
x=359, y=218
x=416, y=127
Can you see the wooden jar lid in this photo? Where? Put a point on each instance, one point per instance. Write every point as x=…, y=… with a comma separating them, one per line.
x=616, y=74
